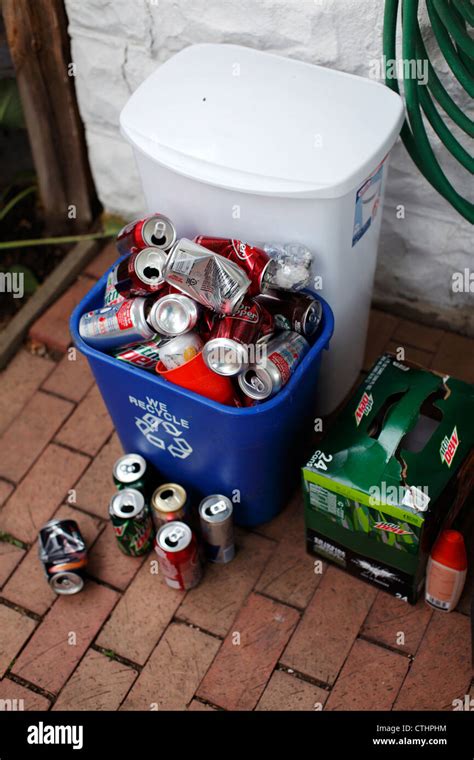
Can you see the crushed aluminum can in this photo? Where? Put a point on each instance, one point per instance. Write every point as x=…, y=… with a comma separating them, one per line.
x=253, y=260
x=63, y=552
x=208, y=278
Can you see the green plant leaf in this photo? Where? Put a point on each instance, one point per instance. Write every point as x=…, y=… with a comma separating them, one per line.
x=9, y=244
x=19, y=180
x=6, y=538
x=30, y=283
x=14, y=201
x=11, y=111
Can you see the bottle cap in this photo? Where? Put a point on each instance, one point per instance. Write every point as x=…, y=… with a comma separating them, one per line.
x=450, y=550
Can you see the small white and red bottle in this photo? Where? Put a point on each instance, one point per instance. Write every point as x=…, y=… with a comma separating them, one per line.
x=446, y=571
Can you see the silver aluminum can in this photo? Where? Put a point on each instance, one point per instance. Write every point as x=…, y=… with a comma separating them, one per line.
x=215, y=515
x=155, y=230
x=283, y=354
x=174, y=315
x=225, y=356
x=210, y=279
x=178, y=351
x=121, y=324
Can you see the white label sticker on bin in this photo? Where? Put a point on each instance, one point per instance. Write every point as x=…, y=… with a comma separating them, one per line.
x=368, y=199
x=161, y=427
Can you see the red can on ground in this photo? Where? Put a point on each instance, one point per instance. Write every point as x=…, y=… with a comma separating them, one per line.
x=178, y=556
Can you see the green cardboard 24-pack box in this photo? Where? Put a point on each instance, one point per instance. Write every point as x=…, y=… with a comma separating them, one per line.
x=396, y=466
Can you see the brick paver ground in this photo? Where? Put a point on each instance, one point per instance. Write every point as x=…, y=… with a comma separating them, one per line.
x=270, y=631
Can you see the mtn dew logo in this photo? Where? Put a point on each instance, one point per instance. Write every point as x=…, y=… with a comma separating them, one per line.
x=365, y=407
x=449, y=446
x=392, y=528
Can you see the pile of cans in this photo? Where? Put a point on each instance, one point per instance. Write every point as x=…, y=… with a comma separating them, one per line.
x=220, y=306
x=145, y=517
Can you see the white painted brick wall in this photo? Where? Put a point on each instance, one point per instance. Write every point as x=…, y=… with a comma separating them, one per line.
x=116, y=44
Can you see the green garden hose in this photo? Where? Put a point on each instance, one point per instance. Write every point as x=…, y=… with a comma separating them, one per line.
x=449, y=21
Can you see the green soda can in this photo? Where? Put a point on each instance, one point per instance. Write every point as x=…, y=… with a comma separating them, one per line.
x=133, y=525
x=132, y=471
x=111, y=294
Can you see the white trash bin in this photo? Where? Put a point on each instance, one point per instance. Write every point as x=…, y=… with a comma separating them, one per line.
x=233, y=142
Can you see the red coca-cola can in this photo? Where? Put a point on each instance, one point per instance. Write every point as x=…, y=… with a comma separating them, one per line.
x=254, y=261
x=233, y=340
x=155, y=230
x=178, y=555
x=141, y=273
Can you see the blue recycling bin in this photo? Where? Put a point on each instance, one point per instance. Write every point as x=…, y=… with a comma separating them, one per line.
x=252, y=455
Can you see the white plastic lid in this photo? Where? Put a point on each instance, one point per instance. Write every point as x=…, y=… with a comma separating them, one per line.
x=254, y=122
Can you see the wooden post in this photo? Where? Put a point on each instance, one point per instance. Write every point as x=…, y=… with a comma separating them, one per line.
x=6, y=66
x=39, y=46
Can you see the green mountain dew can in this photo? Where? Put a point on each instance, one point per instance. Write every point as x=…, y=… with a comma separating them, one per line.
x=132, y=471
x=144, y=355
x=131, y=518
x=111, y=294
